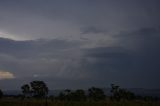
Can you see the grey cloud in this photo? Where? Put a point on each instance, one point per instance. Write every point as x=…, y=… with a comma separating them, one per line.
x=50, y=57
x=131, y=59
x=92, y=30
x=110, y=59
x=114, y=65
x=134, y=57
x=145, y=39
x=51, y=19
x=35, y=48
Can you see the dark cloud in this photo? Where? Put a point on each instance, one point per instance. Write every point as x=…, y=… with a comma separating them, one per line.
x=92, y=30
x=51, y=19
x=44, y=57
x=89, y=42
x=118, y=65
x=62, y=60
x=35, y=48
x=104, y=62
x=145, y=40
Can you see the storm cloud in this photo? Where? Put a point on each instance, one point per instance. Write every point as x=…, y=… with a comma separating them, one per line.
x=80, y=43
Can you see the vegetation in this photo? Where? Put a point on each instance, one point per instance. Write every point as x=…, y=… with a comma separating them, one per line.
x=39, y=102
x=36, y=94
x=26, y=90
x=68, y=95
x=1, y=94
x=37, y=89
x=119, y=93
x=96, y=94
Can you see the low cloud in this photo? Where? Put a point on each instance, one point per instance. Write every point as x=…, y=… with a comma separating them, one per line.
x=6, y=75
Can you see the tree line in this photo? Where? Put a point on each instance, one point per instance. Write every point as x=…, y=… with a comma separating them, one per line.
x=39, y=89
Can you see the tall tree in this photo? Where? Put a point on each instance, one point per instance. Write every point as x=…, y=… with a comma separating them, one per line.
x=119, y=93
x=96, y=94
x=26, y=90
x=79, y=95
x=115, y=92
x=1, y=93
x=39, y=89
x=68, y=94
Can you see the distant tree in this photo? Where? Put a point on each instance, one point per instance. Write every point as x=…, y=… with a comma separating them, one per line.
x=1, y=93
x=115, y=92
x=119, y=93
x=148, y=98
x=125, y=94
x=26, y=90
x=68, y=94
x=61, y=96
x=39, y=89
x=96, y=94
x=79, y=95
x=67, y=91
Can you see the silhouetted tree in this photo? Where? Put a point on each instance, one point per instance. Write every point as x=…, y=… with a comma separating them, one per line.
x=1, y=94
x=26, y=90
x=115, y=92
x=79, y=95
x=125, y=94
x=96, y=94
x=68, y=95
x=39, y=89
x=119, y=93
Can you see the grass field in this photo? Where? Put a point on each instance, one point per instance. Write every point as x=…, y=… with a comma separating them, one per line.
x=62, y=103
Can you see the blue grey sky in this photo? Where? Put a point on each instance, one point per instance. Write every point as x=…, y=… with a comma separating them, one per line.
x=80, y=43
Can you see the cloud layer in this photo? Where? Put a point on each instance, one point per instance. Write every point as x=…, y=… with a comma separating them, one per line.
x=79, y=44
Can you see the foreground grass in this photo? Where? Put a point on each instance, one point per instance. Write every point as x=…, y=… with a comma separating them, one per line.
x=63, y=103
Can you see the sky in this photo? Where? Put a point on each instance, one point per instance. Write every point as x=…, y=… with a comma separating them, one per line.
x=80, y=43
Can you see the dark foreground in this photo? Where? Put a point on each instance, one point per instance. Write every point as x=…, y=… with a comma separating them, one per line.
x=63, y=103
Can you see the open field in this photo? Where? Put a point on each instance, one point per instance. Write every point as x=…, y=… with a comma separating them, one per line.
x=63, y=103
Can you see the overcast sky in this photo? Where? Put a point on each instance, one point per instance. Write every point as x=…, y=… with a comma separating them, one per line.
x=80, y=43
